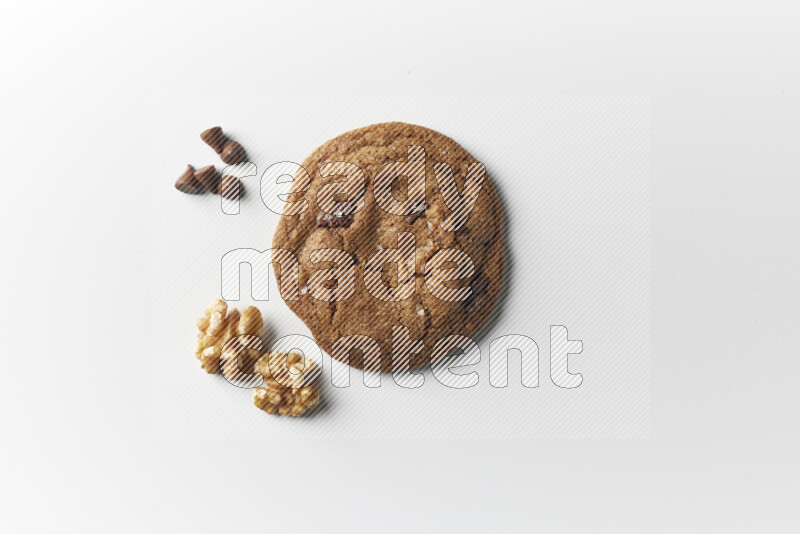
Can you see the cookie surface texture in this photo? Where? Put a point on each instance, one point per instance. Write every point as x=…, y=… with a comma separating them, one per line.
x=359, y=193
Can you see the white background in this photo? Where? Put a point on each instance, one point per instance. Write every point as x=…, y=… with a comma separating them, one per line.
x=572, y=172
x=77, y=449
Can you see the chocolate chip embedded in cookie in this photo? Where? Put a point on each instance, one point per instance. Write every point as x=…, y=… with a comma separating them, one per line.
x=479, y=297
x=425, y=188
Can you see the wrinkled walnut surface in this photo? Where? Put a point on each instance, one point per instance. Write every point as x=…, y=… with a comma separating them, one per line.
x=286, y=388
x=217, y=326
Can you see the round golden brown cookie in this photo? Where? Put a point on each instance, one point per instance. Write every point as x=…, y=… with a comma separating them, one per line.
x=363, y=197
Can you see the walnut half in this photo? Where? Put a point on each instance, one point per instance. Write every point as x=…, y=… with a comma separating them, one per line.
x=286, y=390
x=218, y=326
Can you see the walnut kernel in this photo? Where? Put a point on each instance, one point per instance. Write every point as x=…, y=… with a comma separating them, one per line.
x=285, y=379
x=218, y=326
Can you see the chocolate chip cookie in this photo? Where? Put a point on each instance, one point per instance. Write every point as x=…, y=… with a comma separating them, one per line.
x=396, y=228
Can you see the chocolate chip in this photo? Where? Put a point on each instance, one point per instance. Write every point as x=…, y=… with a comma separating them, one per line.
x=208, y=176
x=330, y=220
x=232, y=153
x=230, y=187
x=416, y=212
x=214, y=138
x=342, y=217
x=330, y=283
x=480, y=298
x=187, y=183
x=480, y=284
